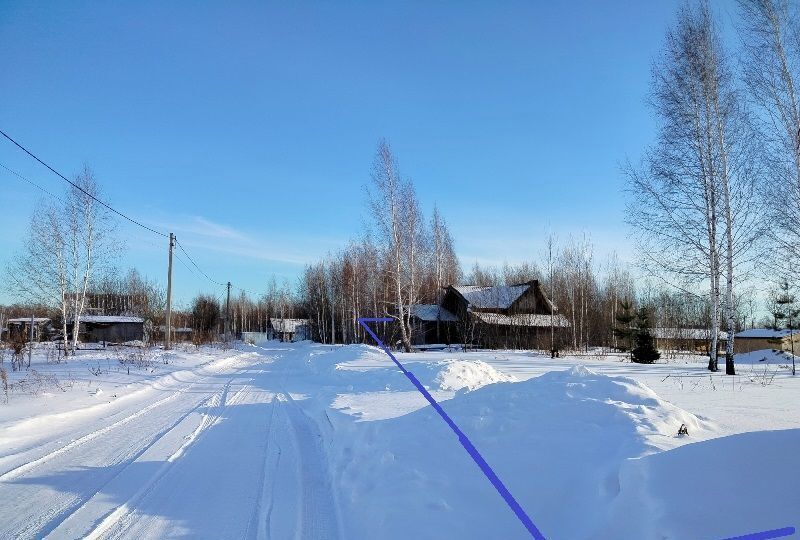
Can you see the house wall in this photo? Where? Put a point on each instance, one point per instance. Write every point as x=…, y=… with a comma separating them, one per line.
x=424, y=332
x=41, y=332
x=745, y=345
x=490, y=336
x=687, y=344
x=114, y=333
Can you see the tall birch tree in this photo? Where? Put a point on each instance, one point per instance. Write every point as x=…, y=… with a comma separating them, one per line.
x=691, y=201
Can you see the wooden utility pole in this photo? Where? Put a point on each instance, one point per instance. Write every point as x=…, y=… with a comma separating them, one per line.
x=228, y=313
x=168, y=321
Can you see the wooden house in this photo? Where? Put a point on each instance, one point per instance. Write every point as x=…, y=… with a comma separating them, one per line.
x=506, y=316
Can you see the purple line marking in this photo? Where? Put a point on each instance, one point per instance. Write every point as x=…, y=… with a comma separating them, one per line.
x=465, y=442
x=766, y=535
x=487, y=470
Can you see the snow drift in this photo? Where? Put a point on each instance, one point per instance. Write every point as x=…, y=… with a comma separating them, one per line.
x=557, y=441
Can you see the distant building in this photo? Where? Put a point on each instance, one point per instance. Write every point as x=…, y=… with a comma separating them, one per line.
x=756, y=339
x=179, y=334
x=109, y=329
x=97, y=303
x=687, y=339
x=506, y=316
x=43, y=329
x=288, y=329
x=431, y=323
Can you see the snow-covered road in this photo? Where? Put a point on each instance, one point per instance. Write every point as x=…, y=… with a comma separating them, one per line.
x=216, y=452
x=310, y=441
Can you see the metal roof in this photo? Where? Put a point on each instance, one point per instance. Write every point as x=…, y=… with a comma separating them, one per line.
x=685, y=333
x=109, y=319
x=497, y=297
x=432, y=312
x=764, y=333
x=287, y=325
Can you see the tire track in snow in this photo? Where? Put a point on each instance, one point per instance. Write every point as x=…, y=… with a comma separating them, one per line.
x=19, y=470
x=118, y=518
x=26, y=467
x=48, y=523
x=318, y=512
x=262, y=512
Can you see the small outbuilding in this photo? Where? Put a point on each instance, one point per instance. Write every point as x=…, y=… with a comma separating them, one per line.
x=43, y=329
x=756, y=339
x=687, y=339
x=109, y=329
x=289, y=329
x=431, y=323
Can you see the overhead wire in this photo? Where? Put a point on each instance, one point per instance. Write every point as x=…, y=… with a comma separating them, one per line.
x=177, y=242
x=107, y=206
x=31, y=182
x=79, y=188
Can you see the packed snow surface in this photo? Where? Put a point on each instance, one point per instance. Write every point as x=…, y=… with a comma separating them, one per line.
x=312, y=441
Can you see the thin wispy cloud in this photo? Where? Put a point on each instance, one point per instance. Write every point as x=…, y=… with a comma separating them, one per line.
x=206, y=235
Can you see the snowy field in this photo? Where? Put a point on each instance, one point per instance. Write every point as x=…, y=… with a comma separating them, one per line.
x=311, y=441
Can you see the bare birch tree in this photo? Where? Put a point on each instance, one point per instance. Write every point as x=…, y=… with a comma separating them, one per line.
x=67, y=245
x=691, y=202
x=400, y=234
x=771, y=36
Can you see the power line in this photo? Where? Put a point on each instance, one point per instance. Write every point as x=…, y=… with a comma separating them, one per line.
x=195, y=265
x=185, y=265
x=79, y=188
x=31, y=182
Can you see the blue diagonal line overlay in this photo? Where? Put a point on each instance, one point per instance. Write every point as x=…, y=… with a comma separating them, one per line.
x=487, y=470
x=766, y=535
x=465, y=442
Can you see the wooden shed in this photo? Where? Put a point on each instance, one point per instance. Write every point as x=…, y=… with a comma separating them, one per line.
x=109, y=329
x=756, y=339
x=43, y=329
x=687, y=339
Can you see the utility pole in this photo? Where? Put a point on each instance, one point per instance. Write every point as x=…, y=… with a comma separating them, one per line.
x=228, y=313
x=168, y=322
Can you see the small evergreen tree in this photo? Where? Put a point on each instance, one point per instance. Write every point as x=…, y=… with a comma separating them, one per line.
x=786, y=314
x=623, y=330
x=644, y=352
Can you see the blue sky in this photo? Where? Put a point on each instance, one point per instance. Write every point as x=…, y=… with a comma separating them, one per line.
x=249, y=129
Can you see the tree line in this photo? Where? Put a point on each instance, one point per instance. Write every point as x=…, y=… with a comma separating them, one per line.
x=714, y=202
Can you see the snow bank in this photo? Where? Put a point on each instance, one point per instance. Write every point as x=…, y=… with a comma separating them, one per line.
x=557, y=441
x=764, y=357
x=720, y=488
x=363, y=368
x=471, y=375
